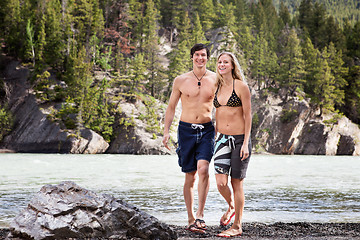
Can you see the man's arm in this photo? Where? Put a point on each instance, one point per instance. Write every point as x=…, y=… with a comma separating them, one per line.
x=170, y=111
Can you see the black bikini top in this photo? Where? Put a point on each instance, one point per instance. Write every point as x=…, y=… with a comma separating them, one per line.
x=234, y=100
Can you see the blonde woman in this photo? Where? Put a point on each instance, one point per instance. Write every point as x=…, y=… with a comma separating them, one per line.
x=233, y=145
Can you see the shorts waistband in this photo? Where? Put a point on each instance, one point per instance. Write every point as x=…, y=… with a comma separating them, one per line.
x=227, y=136
x=186, y=124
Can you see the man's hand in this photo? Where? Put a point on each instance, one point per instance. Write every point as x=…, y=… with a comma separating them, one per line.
x=165, y=140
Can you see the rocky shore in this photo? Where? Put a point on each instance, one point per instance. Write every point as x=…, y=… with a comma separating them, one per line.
x=279, y=230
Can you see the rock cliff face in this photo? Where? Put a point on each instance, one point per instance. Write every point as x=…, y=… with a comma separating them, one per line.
x=33, y=132
x=294, y=128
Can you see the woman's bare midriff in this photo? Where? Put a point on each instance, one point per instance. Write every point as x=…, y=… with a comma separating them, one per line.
x=230, y=122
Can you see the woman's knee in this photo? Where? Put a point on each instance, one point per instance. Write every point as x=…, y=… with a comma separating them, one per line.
x=221, y=181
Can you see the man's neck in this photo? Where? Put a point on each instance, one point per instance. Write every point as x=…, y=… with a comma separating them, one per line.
x=199, y=71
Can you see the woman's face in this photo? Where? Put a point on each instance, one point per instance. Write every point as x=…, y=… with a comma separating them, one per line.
x=224, y=64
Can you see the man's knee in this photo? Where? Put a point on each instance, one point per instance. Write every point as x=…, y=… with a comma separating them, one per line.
x=203, y=171
x=190, y=178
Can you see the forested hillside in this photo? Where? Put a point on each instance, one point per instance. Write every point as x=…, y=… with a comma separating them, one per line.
x=342, y=11
x=65, y=42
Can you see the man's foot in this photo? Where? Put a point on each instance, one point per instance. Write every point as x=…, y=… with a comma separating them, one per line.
x=194, y=228
x=226, y=218
x=200, y=223
x=230, y=233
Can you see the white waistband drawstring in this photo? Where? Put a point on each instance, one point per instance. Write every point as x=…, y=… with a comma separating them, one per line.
x=231, y=142
x=195, y=126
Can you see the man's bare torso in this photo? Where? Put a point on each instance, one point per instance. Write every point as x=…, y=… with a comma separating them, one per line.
x=197, y=102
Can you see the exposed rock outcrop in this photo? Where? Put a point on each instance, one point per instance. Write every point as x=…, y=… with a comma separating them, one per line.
x=67, y=211
x=295, y=128
x=33, y=132
x=132, y=136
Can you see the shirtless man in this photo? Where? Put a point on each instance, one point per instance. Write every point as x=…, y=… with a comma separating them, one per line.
x=195, y=132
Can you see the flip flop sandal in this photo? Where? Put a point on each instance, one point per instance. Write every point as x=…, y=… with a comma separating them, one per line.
x=225, y=235
x=227, y=223
x=193, y=228
x=199, y=222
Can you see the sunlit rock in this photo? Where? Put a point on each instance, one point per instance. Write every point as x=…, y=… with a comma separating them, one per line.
x=68, y=211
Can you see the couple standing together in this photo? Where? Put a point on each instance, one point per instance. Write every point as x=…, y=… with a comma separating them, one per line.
x=200, y=90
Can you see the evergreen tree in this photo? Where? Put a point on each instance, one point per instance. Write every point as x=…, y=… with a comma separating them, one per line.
x=179, y=64
x=317, y=29
x=12, y=26
x=54, y=46
x=258, y=65
x=206, y=11
x=291, y=73
x=339, y=72
x=334, y=34
x=284, y=14
x=41, y=40
x=353, y=43
x=151, y=50
x=137, y=70
x=305, y=15
x=324, y=92
x=198, y=35
x=352, y=95
x=311, y=58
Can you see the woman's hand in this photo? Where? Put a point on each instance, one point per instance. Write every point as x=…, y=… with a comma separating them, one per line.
x=244, y=152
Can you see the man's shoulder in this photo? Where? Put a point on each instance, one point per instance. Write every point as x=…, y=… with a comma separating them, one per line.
x=182, y=77
x=211, y=72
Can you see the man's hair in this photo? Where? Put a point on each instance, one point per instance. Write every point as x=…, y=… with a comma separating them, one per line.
x=198, y=47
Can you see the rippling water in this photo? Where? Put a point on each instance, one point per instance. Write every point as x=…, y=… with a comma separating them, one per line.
x=277, y=188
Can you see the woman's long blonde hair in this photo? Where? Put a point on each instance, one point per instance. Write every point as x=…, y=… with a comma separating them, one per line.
x=237, y=72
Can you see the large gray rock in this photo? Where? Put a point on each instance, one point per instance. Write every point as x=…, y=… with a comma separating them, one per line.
x=68, y=211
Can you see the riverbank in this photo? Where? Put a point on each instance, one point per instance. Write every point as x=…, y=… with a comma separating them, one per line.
x=279, y=230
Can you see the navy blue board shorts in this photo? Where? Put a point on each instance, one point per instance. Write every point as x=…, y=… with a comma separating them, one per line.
x=195, y=142
x=227, y=156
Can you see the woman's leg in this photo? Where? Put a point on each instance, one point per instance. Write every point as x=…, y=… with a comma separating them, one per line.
x=239, y=199
x=223, y=188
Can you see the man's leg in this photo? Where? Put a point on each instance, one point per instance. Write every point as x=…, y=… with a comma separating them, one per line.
x=188, y=192
x=203, y=186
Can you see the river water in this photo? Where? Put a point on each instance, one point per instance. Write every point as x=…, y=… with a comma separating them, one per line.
x=277, y=188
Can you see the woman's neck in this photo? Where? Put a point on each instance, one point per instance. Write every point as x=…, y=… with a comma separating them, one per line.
x=227, y=79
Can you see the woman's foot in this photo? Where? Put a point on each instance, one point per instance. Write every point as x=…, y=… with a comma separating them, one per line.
x=231, y=232
x=226, y=218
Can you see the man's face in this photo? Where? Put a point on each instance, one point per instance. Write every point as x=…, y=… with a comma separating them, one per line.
x=200, y=58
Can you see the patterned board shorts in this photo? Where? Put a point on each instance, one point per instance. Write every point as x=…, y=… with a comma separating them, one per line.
x=227, y=156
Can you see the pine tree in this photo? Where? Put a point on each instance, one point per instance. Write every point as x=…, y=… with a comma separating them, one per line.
x=151, y=50
x=324, y=91
x=339, y=72
x=206, y=11
x=198, y=35
x=54, y=47
x=179, y=64
x=311, y=59
x=284, y=14
x=291, y=75
x=137, y=69
x=12, y=24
